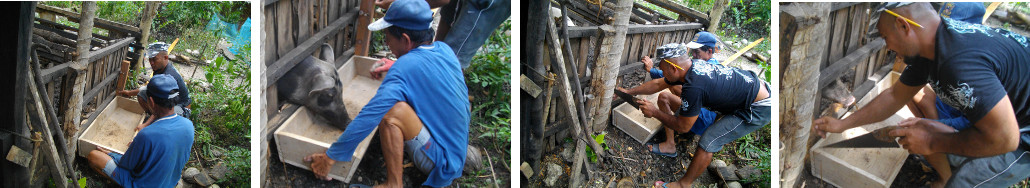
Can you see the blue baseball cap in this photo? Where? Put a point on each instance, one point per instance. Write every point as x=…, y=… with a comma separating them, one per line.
x=972, y=12
x=163, y=86
x=407, y=14
x=703, y=39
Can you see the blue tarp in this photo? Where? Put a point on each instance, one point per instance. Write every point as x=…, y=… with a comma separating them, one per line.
x=239, y=37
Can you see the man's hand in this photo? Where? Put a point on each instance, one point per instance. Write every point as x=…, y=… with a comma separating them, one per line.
x=828, y=124
x=380, y=67
x=647, y=63
x=124, y=93
x=385, y=4
x=320, y=164
x=102, y=149
x=648, y=109
x=917, y=134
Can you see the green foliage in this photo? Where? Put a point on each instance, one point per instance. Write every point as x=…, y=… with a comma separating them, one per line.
x=600, y=141
x=237, y=159
x=755, y=150
x=82, y=182
x=488, y=80
x=751, y=17
x=195, y=14
x=221, y=115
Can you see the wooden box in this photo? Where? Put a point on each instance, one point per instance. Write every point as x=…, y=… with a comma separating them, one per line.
x=633, y=122
x=114, y=128
x=860, y=167
x=303, y=134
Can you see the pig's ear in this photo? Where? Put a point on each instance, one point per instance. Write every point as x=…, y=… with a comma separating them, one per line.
x=325, y=95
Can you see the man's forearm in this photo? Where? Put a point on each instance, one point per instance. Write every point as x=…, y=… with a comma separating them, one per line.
x=649, y=87
x=972, y=143
x=882, y=107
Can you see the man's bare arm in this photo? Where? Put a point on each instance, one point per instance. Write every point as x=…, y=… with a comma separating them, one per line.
x=649, y=87
x=994, y=134
x=883, y=106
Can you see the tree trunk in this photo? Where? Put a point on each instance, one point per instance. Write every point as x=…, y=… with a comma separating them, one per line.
x=74, y=113
x=532, y=129
x=148, y=20
x=799, y=81
x=607, y=68
x=716, y=13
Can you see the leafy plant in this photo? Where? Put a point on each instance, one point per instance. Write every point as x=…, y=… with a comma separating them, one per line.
x=599, y=138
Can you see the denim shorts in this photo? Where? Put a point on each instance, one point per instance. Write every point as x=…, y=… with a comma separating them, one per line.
x=415, y=148
x=735, y=125
x=472, y=22
x=996, y=171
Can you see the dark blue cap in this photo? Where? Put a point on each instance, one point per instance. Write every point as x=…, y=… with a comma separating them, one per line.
x=407, y=14
x=703, y=39
x=163, y=86
x=971, y=12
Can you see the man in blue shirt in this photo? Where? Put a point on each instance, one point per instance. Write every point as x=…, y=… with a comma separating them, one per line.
x=157, y=55
x=421, y=108
x=158, y=153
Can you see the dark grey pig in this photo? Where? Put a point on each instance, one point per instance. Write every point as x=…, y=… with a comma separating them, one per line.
x=314, y=84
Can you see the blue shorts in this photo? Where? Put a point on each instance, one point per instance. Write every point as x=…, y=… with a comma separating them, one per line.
x=472, y=22
x=951, y=116
x=704, y=119
x=414, y=149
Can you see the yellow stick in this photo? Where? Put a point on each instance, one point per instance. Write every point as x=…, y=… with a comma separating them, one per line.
x=173, y=45
x=990, y=10
x=741, y=52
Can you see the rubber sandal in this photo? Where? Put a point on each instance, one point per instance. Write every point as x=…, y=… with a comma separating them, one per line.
x=656, y=150
x=661, y=184
x=357, y=185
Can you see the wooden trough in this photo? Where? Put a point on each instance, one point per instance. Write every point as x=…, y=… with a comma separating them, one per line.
x=303, y=134
x=113, y=128
x=861, y=167
x=633, y=122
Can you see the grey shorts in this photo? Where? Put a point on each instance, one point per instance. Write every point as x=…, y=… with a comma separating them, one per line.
x=735, y=125
x=997, y=171
x=415, y=148
x=109, y=168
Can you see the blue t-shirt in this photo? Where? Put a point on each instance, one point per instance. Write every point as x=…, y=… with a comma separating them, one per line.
x=974, y=68
x=184, y=92
x=430, y=80
x=157, y=155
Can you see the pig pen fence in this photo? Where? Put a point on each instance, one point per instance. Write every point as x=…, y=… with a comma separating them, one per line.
x=49, y=78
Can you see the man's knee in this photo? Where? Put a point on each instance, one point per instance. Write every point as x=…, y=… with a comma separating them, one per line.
x=97, y=158
x=402, y=116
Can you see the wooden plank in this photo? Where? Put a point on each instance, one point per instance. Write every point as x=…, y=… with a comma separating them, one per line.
x=832, y=72
x=286, y=62
x=837, y=36
x=101, y=23
x=527, y=85
x=56, y=164
x=284, y=28
x=586, y=31
x=269, y=36
x=99, y=87
x=683, y=11
x=302, y=11
x=363, y=34
x=840, y=5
